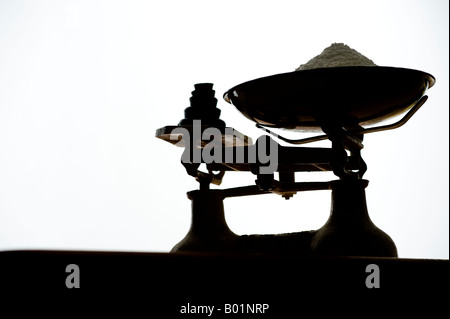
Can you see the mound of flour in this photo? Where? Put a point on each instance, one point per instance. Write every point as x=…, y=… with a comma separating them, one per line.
x=336, y=55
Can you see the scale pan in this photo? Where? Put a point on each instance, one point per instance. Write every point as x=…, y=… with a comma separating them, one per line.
x=342, y=96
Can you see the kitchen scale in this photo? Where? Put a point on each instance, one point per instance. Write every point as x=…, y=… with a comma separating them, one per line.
x=340, y=104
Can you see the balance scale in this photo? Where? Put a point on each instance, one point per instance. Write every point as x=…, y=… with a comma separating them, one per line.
x=340, y=104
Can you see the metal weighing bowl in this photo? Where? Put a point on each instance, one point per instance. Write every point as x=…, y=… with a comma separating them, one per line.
x=343, y=96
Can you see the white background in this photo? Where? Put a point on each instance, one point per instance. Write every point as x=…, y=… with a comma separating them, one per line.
x=85, y=84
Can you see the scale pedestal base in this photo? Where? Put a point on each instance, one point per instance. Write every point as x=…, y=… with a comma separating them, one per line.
x=348, y=232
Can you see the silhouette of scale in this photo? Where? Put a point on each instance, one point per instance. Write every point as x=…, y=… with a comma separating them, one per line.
x=315, y=100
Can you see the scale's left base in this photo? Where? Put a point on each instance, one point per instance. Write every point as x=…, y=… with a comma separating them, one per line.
x=173, y=285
